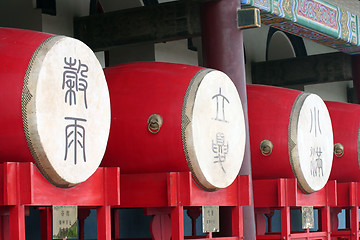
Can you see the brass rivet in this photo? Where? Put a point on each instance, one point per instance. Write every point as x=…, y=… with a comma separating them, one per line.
x=338, y=149
x=154, y=122
x=266, y=147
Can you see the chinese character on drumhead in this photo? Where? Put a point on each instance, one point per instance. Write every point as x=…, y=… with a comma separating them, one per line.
x=220, y=106
x=220, y=149
x=74, y=80
x=315, y=122
x=316, y=162
x=74, y=137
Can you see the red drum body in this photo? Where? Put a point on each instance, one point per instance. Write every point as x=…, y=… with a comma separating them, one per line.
x=39, y=90
x=290, y=136
x=16, y=49
x=345, y=118
x=201, y=115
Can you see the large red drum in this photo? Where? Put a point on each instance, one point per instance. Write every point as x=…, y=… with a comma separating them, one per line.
x=298, y=127
x=174, y=118
x=55, y=105
x=345, y=119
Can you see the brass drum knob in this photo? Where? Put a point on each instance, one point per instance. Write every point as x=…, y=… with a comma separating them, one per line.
x=266, y=147
x=155, y=122
x=338, y=149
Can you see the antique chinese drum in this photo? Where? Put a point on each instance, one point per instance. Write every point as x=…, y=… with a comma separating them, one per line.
x=345, y=119
x=55, y=105
x=291, y=136
x=175, y=118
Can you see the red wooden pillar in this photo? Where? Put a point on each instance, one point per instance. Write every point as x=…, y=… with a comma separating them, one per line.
x=237, y=222
x=104, y=223
x=17, y=222
x=115, y=224
x=83, y=213
x=354, y=223
x=177, y=223
x=46, y=223
x=223, y=49
x=285, y=223
x=325, y=221
x=5, y=228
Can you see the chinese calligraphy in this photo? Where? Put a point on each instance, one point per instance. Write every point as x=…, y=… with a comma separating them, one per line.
x=220, y=103
x=220, y=149
x=74, y=136
x=316, y=163
x=74, y=80
x=315, y=122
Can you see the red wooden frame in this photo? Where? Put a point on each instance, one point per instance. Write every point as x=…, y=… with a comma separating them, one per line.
x=348, y=195
x=160, y=194
x=284, y=194
x=24, y=186
x=167, y=194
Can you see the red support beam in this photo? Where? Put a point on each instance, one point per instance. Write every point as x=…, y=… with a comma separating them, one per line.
x=222, y=45
x=326, y=221
x=46, y=222
x=354, y=222
x=104, y=223
x=17, y=222
x=177, y=222
x=285, y=223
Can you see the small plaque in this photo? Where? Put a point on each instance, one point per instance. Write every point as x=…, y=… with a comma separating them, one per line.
x=307, y=214
x=210, y=215
x=65, y=222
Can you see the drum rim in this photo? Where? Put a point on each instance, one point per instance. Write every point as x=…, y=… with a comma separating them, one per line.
x=27, y=103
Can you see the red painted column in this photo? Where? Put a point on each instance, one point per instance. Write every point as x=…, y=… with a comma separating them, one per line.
x=222, y=46
x=326, y=221
x=354, y=223
x=17, y=222
x=104, y=222
x=285, y=223
x=177, y=222
x=46, y=223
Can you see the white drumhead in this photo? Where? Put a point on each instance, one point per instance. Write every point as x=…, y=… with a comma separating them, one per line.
x=66, y=110
x=310, y=142
x=213, y=129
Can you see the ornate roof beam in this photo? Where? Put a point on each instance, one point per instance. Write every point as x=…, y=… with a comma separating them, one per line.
x=331, y=24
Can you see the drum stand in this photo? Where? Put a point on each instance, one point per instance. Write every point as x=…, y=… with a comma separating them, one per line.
x=348, y=195
x=166, y=195
x=23, y=186
x=285, y=195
